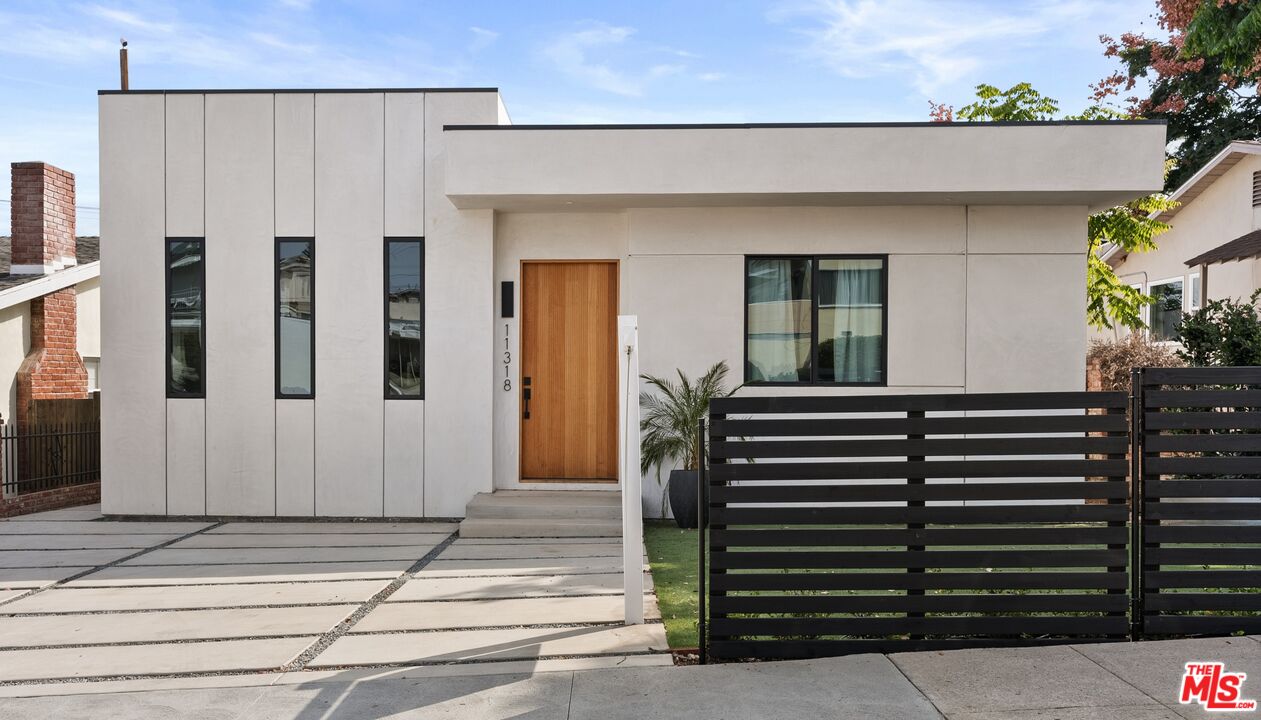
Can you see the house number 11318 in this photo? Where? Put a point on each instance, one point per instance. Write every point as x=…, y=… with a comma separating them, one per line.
x=507, y=361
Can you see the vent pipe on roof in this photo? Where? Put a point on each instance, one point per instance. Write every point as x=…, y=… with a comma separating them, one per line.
x=122, y=63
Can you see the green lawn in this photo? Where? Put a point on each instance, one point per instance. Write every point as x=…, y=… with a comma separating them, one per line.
x=672, y=556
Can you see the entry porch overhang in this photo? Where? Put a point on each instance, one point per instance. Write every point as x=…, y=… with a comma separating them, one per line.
x=548, y=168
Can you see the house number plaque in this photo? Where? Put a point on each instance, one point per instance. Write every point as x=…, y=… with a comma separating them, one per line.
x=507, y=362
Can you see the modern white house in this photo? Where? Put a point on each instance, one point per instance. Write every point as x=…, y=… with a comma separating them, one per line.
x=1213, y=249
x=380, y=303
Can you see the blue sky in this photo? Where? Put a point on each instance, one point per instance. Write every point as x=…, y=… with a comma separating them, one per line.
x=554, y=61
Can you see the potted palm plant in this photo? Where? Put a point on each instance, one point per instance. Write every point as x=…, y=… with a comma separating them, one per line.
x=668, y=433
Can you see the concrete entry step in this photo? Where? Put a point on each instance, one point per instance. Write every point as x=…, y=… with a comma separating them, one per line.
x=543, y=513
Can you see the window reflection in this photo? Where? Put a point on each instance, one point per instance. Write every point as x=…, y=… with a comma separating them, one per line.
x=295, y=315
x=404, y=318
x=185, y=315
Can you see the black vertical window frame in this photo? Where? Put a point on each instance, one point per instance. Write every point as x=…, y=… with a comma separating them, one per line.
x=815, y=298
x=420, y=243
x=170, y=346
x=280, y=394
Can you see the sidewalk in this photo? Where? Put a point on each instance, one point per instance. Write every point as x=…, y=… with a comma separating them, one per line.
x=1136, y=681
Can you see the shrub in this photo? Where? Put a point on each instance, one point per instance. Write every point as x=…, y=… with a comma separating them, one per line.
x=1223, y=332
x=1115, y=358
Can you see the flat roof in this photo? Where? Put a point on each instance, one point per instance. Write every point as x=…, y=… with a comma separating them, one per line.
x=272, y=91
x=757, y=126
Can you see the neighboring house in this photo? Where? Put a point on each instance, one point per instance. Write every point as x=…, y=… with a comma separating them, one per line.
x=1212, y=251
x=382, y=302
x=50, y=337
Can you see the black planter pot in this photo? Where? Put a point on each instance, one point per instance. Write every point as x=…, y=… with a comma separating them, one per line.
x=683, y=486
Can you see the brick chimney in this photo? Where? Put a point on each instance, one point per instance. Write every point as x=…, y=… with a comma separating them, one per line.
x=43, y=219
x=43, y=242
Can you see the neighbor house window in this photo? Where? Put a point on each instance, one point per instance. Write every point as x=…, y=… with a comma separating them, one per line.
x=185, y=317
x=1193, y=292
x=93, y=366
x=404, y=317
x=815, y=320
x=1166, y=311
x=295, y=318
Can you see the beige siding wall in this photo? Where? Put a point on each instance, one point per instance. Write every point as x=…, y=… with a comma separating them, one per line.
x=1220, y=214
x=15, y=343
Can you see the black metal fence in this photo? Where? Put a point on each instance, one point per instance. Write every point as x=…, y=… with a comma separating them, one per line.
x=889, y=523
x=1199, y=466
x=46, y=456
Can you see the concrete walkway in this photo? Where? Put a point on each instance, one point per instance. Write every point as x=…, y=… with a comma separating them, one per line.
x=1135, y=681
x=89, y=600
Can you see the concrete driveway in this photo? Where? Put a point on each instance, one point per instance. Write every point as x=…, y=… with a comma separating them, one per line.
x=83, y=599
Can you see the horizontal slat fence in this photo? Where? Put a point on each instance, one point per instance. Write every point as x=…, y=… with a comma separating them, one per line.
x=886, y=523
x=1200, y=467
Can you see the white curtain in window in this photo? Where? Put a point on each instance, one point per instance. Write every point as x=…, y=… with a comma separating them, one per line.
x=779, y=319
x=851, y=320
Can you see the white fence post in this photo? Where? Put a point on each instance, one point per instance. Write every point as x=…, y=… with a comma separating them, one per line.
x=628, y=455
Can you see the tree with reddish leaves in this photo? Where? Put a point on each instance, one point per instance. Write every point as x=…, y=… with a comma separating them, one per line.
x=1200, y=76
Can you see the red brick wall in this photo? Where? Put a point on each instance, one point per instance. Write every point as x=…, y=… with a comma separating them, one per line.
x=43, y=214
x=54, y=499
x=53, y=369
x=43, y=234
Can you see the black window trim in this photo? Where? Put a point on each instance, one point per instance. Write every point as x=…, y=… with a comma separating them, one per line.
x=814, y=319
x=385, y=294
x=201, y=266
x=281, y=395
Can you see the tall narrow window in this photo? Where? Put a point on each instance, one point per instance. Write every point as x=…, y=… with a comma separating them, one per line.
x=404, y=317
x=1166, y=312
x=779, y=319
x=851, y=320
x=815, y=320
x=185, y=318
x=295, y=318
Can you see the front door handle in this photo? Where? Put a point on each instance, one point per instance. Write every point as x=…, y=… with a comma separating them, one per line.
x=525, y=395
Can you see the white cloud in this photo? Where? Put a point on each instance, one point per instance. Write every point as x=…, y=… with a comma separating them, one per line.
x=482, y=38
x=278, y=53
x=127, y=19
x=935, y=43
x=569, y=53
x=606, y=57
x=711, y=76
x=297, y=4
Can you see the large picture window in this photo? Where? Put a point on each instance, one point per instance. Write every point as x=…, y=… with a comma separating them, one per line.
x=295, y=318
x=404, y=317
x=815, y=320
x=185, y=318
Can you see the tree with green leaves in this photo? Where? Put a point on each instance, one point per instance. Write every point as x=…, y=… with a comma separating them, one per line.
x=1132, y=227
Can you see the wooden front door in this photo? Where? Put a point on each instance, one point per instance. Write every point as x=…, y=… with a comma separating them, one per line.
x=569, y=371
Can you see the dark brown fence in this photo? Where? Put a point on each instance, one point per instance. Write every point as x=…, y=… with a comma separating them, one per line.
x=1200, y=468
x=47, y=456
x=886, y=523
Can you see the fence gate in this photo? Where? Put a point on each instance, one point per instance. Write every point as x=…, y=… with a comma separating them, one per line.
x=1199, y=464
x=889, y=523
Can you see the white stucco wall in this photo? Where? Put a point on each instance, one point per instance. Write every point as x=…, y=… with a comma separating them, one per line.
x=978, y=301
x=241, y=169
